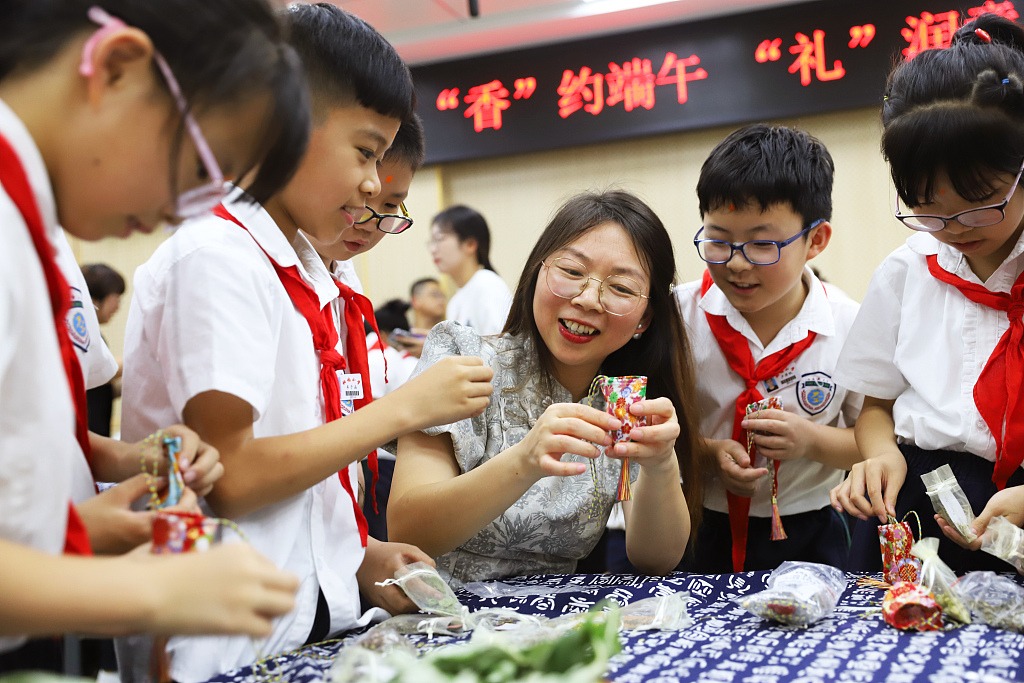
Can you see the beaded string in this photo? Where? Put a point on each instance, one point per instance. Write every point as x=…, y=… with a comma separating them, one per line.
x=171, y=446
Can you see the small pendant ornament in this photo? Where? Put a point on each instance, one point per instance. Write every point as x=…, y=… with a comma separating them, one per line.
x=770, y=403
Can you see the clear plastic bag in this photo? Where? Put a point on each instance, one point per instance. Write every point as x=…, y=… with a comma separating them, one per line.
x=937, y=577
x=427, y=590
x=499, y=589
x=949, y=500
x=798, y=594
x=996, y=600
x=1005, y=540
x=662, y=613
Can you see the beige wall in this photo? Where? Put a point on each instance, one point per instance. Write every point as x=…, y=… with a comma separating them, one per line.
x=519, y=194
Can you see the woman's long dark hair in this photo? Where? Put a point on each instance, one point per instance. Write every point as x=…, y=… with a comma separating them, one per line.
x=662, y=352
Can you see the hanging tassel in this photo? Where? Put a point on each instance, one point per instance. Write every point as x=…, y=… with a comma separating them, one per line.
x=778, y=533
x=624, y=491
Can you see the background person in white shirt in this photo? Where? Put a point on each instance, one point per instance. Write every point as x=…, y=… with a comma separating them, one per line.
x=460, y=244
x=934, y=346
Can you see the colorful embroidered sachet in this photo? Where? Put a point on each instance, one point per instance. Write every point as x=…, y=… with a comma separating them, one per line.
x=770, y=403
x=184, y=532
x=619, y=394
x=896, y=539
x=910, y=607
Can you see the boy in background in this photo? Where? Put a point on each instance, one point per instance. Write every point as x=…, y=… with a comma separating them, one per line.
x=385, y=215
x=231, y=328
x=762, y=326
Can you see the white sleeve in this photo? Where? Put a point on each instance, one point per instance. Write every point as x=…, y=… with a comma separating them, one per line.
x=217, y=326
x=867, y=362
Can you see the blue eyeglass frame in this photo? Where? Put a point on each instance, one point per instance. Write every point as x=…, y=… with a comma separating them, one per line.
x=739, y=246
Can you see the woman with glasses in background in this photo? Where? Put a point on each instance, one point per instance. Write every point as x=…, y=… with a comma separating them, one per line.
x=936, y=347
x=460, y=246
x=527, y=487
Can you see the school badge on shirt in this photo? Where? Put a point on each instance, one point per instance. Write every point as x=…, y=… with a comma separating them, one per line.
x=814, y=391
x=78, y=329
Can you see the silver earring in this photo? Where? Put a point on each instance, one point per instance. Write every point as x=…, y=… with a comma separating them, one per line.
x=639, y=331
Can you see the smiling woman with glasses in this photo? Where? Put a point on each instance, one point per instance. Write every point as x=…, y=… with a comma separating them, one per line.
x=524, y=488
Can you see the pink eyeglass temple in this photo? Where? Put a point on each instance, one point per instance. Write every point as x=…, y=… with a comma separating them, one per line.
x=107, y=24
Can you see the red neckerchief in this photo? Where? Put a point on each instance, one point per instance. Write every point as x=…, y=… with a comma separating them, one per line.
x=357, y=309
x=15, y=183
x=325, y=339
x=997, y=391
x=736, y=350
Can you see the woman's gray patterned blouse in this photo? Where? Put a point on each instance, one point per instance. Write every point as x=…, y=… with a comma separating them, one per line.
x=559, y=519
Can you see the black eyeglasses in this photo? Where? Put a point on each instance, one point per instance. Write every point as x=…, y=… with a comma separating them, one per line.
x=391, y=223
x=981, y=217
x=757, y=252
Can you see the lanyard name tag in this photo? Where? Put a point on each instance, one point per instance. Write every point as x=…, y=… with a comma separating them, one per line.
x=351, y=385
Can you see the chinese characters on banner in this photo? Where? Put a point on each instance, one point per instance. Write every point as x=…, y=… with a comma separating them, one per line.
x=634, y=84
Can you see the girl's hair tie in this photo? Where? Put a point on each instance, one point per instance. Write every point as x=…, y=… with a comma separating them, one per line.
x=983, y=35
x=1006, y=81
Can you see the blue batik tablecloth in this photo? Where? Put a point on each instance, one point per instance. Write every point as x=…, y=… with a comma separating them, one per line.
x=728, y=644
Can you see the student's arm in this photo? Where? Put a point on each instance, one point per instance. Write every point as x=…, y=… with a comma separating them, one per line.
x=428, y=485
x=873, y=484
x=657, y=519
x=230, y=589
x=781, y=435
x=259, y=472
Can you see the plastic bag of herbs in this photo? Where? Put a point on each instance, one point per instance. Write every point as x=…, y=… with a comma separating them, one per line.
x=576, y=655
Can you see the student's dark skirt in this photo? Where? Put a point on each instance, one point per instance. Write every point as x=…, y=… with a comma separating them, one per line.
x=974, y=475
x=816, y=536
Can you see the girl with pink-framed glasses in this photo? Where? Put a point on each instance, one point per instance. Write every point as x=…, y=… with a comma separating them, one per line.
x=113, y=120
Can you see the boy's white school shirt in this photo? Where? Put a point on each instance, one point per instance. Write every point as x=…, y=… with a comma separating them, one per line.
x=97, y=362
x=482, y=303
x=807, y=388
x=210, y=314
x=37, y=416
x=923, y=343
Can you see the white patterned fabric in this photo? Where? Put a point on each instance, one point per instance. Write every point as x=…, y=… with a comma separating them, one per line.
x=559, y=519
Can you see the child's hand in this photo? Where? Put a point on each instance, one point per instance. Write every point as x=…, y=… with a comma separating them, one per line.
x=652, y=445
x=199, y=461
x=452, y=389
x=381, y=562
x=780, y=435
x=565, y=428
x=114, y=527
x=227, y=589
x=735, y=468
x=1007, y=503
x=872, y=487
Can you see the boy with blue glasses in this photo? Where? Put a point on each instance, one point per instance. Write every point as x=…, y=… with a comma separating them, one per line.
x=763, y=327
